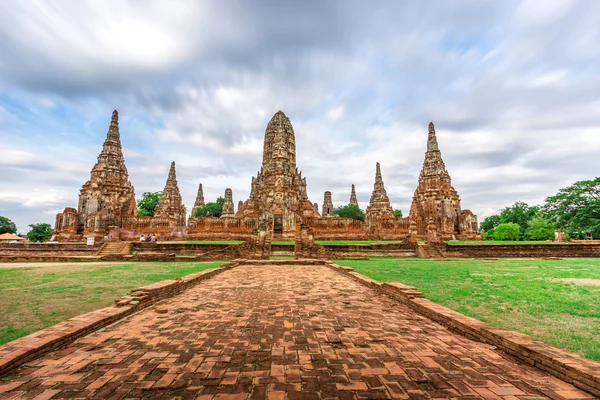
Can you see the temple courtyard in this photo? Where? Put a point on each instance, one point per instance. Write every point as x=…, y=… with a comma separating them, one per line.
x=299, y=331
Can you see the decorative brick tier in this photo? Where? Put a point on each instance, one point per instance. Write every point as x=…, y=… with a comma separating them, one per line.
x=567, y=366
x=522, y=250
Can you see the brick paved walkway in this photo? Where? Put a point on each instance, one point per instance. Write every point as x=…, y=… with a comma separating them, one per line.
x=273, y=332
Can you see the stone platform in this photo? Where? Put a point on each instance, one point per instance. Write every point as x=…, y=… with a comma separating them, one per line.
x=277, y=331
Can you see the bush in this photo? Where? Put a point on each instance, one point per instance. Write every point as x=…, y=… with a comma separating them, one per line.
x=39, y=232
x=349, y=211
x=508, y=231
x=397, y=213
x=211, y=209
x=540, y=229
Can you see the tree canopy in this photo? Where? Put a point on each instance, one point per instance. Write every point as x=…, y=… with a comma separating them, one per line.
x=519, y=213
x=211, y=209
x=576, y=208
x=540, y=228
x=507, y=231
x=490, y=223
x=349, y=211
x=39, y=232
x=397, y=213
x=7, y=226
x=147, y=204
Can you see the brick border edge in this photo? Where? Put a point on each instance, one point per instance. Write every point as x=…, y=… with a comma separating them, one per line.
x=569, y=367
x=18, y=352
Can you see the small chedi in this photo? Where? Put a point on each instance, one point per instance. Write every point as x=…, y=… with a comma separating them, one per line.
x=379, y=212
x=277, y=208
x=199, y=203
x=170, y=204
x=353, y=199
x=436, y=201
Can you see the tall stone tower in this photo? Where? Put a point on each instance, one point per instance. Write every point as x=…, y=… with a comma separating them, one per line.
x=435, y=199
x=278, y=191
x=108, y=195
x=170, y=204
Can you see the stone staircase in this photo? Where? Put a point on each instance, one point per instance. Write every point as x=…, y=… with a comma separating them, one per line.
x=111, y=249
x=429, y=251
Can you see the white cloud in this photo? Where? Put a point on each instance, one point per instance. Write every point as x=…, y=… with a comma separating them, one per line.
x=511, y=87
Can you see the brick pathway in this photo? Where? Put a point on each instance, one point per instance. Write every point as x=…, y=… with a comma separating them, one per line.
x=273, y=332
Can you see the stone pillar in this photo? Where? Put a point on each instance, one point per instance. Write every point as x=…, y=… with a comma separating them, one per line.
x=327, y=205
x=228, y=204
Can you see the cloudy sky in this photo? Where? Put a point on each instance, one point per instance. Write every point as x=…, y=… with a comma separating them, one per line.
x=513, y=88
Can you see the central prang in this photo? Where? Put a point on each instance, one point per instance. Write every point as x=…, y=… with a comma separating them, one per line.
x=278, y=191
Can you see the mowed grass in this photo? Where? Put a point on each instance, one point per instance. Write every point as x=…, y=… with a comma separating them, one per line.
x=34, y=298
x=523, y=295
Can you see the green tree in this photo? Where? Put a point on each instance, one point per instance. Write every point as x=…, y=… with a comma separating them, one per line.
x=397, y=213
x=540, y=228
x=147, y=204
x=507, y=231
x=519, y=213
x=39, y=232
x=349, y=211
x=211, y=209
x=576, y=208
x=490, y=223
x=7, y=226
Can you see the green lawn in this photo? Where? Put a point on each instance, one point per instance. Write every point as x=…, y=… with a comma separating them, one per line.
x=496, y=242
x=524, y=295
x=34, y=298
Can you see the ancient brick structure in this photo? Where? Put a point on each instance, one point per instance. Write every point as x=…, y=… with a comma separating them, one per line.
x=278, y=202
x=106, y=198
x=435, y=199
x=278, y=191
x=170, y=204
x=228, y=204
x=199, y=203
x=353, y=199
x=327, y=210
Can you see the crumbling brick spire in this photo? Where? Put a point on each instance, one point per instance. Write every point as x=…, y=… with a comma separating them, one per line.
x=170, y=204
x=436, y=201
x=108, y=191
x=433, y=164
x=379, y=205
x=199, y=203
x=353, y=200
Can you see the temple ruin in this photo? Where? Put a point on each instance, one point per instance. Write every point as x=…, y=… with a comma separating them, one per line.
x=436, y=201
x=277, y=208
x=106, y=198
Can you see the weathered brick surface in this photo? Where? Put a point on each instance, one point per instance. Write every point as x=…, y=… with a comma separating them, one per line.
x=523, y=250
x=281, y=331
